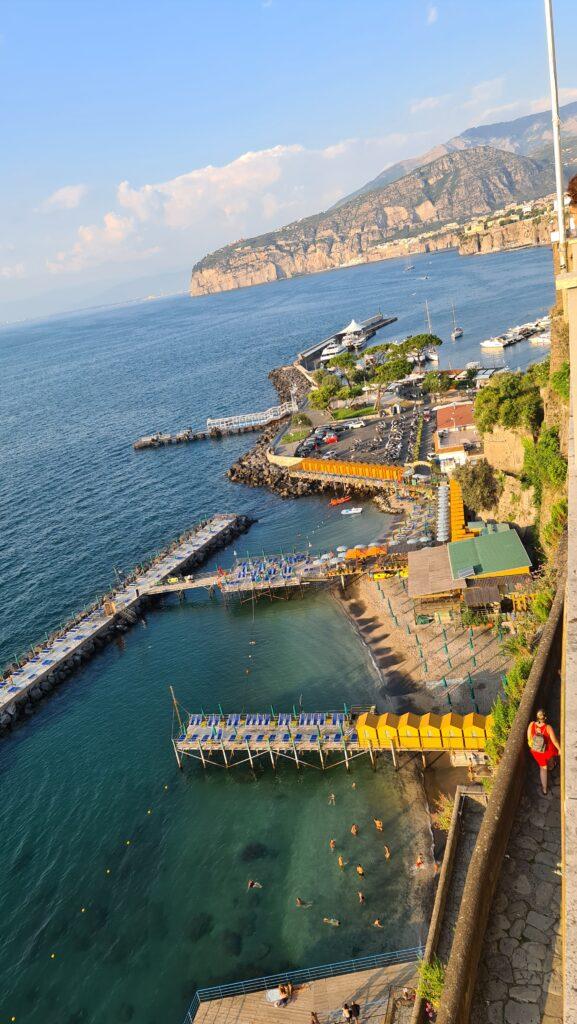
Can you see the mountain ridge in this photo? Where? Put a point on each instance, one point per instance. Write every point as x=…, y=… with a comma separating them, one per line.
x=447, y=191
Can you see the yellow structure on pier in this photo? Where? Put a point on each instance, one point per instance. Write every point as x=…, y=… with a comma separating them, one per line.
x=367, y=470
x=423, y=732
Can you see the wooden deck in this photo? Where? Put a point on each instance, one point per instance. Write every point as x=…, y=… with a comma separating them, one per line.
x=376, y=991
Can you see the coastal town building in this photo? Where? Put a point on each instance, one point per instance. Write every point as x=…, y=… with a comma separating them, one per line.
x=456, y=438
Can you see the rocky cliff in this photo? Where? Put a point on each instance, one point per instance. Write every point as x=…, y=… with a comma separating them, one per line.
x=449, y=190
x=515, y=235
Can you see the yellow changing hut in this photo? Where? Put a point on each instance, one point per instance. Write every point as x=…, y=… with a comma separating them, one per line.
x=409, y=736
x=367, y=729
x=388, y=730
x=452, y=731
x=474, y=731
x=430, y=732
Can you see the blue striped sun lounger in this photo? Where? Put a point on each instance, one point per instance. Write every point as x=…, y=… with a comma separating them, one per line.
x=286, y=737
x=195, y=720
x=284, y=718
x=337, y=737
x=272, y=737
x=298, y=737
x=314, y=737
x=213, y=720
x=260, y=737
x=353, y=738
x=233, y=720
x=194, y=737
x=247, y=737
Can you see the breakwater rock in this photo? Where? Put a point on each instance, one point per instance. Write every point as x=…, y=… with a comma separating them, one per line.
x=287, y=381
x=254, y=470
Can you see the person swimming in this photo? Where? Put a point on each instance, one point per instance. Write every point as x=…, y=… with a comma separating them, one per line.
x=360, y=871
x=332, y=844
x=303, y=903
x=334, y=921
x=253, y=885
x=420, y=861
x=355, y=830
x=378, y=824
x=377, y=923
x=361, y=896
x=387, y=852
x=342, y=863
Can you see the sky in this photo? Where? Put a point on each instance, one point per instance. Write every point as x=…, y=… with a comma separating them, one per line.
x=138, y=136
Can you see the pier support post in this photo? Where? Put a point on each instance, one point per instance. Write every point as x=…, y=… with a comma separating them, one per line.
x=249, y=755
x=177, y=755
x=321, y=753
x=346, y=754
x=372, y=756
x=297, y=762
x=271, y=755
x=424, y=758
x=394, y=753
x=225, y=758
x=201, y=752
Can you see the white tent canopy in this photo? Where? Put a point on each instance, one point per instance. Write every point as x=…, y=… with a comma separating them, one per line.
x=353, y=328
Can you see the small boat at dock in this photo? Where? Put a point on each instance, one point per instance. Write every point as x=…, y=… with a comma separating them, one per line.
x=493, y=343
x=351, y=511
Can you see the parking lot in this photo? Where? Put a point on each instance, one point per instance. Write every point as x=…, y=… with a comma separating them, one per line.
x=388, y=440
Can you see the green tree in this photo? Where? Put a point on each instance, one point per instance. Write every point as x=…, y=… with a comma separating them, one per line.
x=321, y=397
x=418, y=342
x=543, y=462
x=396, y=367
x=560, y=382
x=436, y=383
x=480, y=486
x=346, y=364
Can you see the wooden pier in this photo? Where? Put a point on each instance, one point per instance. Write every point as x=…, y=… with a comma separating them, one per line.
x=325, y=739
x=38, y=673
x=221, y=427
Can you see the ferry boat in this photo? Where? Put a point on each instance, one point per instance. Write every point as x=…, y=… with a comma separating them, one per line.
x=351, y=511
x=334, y=348
x=493, y=343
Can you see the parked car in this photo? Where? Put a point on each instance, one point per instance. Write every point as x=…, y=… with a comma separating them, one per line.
x=331, y=439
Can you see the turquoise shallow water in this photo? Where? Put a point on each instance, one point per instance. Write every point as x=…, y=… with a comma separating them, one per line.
x=79, y=778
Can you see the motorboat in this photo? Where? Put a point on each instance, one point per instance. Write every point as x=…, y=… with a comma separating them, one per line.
x=338, y=501
x=493, y=343
x=351, y=511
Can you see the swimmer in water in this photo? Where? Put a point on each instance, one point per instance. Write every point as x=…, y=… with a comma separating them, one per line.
x=387, y=852
x=332, y=844
x=377, y=923
x=332, y=799
x=253, y=885
x=342, y=863
x=420, y=861
x=361, y=896
x=332, y=921
x=354, y=830
x=378, y=824
x=303, y=903
x=360, y=871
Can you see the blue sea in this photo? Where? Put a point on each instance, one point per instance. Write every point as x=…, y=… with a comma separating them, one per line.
x=123, y=880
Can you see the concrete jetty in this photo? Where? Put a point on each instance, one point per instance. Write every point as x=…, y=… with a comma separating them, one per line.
x=50, y=663
x=223, y=426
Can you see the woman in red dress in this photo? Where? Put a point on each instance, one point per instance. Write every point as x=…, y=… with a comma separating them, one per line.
x=543, y=746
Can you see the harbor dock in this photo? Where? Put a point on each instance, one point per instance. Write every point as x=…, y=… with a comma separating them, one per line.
x=375, y=982
x=26, y=682
x=309, y=358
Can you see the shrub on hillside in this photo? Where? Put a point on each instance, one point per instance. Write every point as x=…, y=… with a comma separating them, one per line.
x=479, y=483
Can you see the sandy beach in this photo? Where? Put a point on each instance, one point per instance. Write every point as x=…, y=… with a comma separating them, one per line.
x=452, y=660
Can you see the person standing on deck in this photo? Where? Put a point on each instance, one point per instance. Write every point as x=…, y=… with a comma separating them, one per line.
x=543, y=745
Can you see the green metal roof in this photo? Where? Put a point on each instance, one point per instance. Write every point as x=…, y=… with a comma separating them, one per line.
x=488, y=553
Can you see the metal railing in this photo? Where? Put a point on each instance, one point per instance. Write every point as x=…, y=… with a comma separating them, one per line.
x=238, y=988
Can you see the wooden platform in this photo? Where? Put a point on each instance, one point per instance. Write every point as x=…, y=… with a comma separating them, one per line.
x=376, y=991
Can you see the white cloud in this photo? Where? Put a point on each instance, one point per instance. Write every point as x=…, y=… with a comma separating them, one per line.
x=66, y=198
x=210, y=206
x=11, y=271
x=427, y=103
x=96, y=244
x=485, y=92
x=432, y=14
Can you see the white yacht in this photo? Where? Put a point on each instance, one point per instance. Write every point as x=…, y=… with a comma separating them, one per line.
x=334, y=348
x=493, y=343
